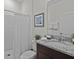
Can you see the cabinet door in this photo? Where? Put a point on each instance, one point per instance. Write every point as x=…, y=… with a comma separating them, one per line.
x=42, y=56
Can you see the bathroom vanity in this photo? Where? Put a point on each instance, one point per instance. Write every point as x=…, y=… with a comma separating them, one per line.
x=45, y=52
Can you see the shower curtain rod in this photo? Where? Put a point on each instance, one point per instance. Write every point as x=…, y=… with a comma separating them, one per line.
x=15, y=12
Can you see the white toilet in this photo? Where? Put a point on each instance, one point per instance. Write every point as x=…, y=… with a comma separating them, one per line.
x=28, y=55
x=8, y=54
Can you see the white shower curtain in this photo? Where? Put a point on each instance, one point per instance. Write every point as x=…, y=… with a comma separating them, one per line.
x=17, y=30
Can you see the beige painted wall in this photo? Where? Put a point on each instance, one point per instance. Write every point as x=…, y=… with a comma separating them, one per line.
x=18, y=6
x=27, y=7
x=12, y=5
x=39, y=6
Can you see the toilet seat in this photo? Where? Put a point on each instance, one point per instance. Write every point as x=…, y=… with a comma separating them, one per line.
x=28, y=55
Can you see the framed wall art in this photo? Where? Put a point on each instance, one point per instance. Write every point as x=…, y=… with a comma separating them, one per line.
x=39, y=20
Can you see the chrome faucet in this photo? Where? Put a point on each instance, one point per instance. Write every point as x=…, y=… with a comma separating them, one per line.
x=60, y=38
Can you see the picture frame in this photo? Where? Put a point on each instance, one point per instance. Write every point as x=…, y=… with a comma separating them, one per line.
x=39, y=20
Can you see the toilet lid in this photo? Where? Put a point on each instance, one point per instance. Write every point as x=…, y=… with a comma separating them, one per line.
x=28, y=54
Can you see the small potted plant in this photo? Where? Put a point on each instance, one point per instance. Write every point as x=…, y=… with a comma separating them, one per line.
x=37, y=37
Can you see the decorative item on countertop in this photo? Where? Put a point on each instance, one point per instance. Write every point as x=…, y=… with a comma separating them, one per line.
x=72, y=37
x=49, y=37
x=44, y=38
x=37, y=37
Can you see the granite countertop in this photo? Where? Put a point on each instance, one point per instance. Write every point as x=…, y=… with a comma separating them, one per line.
x=63, y=46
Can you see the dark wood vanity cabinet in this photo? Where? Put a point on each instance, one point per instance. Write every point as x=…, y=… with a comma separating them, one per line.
x=44, y=52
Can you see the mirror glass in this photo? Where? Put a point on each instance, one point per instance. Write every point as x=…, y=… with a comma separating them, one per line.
x=60, y=17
